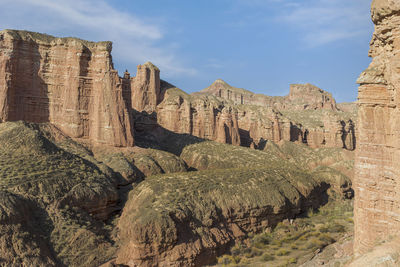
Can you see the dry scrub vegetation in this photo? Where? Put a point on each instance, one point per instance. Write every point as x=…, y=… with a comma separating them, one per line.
x=293, y=243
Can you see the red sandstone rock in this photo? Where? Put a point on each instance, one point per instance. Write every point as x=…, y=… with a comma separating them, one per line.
x=146, y=93
x=262, y=117
x=377, y=183
x=66, y=81
x=308, y=96
x=199, y=116
x=72, y=84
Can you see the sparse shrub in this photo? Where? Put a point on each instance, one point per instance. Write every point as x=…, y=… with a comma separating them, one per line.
x=267, y=257
x=292, y=260
x=312, y=244
x=225, y=260
x=260, y=241
x=236, y=250
x=276, y=242
x=283, y=252
x=256, y=252
x=326, y=238
x=332, y=228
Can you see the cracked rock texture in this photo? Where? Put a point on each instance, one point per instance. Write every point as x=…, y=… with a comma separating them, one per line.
x=377, y=183
x=66, y=81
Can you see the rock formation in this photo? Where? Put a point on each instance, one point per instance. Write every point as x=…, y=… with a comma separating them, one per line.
x=300, y=97
x=66, y=81
x=71, y=83
x=307, y=114
x=146, y=92
x=203, y=117
x=377, y=182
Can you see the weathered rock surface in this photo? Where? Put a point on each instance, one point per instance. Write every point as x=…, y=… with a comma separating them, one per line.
x=71, y=83
x=146, y=91
x=300, y=97
x=307, y=114
x=66, y=81
x=204, y=117
x=385, y=254
x=377, y=183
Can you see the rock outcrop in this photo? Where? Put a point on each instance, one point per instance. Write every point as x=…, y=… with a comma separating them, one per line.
x=204, y=117
x=307, y=114
x=146, y=92
x=66, y=81
x=300, y=97
x=236, y=116
x=377, y=171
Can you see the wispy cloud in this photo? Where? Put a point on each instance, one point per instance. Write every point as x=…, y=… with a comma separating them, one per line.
x=326, y=21
x=318, y=22
x=135, y=39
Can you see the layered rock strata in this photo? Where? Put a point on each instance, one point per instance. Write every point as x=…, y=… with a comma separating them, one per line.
x=146, y=92
x=307, y=114
x=71, y=83
x=377, y=183
x=66, y=81
x=203, y=117
x=300, y=97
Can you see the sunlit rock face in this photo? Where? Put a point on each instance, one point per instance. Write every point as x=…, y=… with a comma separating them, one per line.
x=377, y=166
x=66, y=81
x=146, y=92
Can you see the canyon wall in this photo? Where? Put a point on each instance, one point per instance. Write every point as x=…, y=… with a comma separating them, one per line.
x=377, y=183
x=72, y=84
x=66, y=81
x=202, y=117
x=307, y=115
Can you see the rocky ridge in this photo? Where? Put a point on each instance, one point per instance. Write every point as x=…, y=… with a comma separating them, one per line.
x=188, y=219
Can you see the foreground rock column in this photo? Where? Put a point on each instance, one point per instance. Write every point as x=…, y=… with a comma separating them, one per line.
x=377, y=169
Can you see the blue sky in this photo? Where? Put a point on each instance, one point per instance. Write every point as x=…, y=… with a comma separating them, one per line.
x=260, y=45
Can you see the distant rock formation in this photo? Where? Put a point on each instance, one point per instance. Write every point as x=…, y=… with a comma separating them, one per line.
x=308, y=96
x=377, y=182
x=307, y=114
x=300, y=97
x=66, y=81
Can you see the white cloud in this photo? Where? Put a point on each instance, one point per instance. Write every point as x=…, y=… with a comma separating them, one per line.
x=135, y=39
x=326, y=21
x=318, y=22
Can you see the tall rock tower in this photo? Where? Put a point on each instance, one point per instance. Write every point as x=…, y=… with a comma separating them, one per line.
x=146, y=92
x=377, y=166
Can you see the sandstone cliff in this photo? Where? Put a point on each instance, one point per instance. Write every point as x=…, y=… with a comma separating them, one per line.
x=307, y=114
x=71, y=83
x=146, y=92
x=204, y=117
x=300, y=97
x=66, y=81
x=377, y=204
